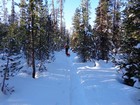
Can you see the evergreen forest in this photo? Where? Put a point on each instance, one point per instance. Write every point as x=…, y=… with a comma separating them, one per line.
x=38, y=29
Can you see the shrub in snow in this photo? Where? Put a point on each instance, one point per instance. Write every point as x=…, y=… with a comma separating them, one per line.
x=9, y=66
x=130, y=70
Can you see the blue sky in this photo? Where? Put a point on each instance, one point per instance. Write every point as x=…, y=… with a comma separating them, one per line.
x=69, y=10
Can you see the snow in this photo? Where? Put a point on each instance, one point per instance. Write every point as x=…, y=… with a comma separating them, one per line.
x=69, y=82
x=138, y=46
x=87, y=32
x=131, y=15
x=137, y=84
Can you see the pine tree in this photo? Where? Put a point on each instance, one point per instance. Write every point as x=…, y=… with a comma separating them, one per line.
x=32, y=33
x=87, y=41
x=45, y=43
x=61, y=14
x=23, y=12
x=85, y=7
x=115, y=27
x=13, y=12
x=23, y=28
x=82, y=41
x=131, y=42
x=76, y=28
x=102, y=30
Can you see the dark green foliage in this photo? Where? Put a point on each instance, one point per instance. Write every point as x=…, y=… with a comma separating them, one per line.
x=82, y=39
x=3, y=33
x=81, y=46
x=85, y=45
x=102, y=24
x=131, y=41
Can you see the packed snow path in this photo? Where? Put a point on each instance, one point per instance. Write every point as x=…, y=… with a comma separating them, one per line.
x=68, y=82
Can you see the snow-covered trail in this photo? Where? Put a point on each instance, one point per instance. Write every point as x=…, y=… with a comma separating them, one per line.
x=77, y=93
x=68, y=82
x=68, y=68
x=65, y=68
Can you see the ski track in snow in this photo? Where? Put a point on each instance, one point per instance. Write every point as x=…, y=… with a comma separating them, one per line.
x=68, y=82
x=77, y=94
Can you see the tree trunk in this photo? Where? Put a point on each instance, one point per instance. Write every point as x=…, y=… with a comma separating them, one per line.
x=5, y=74
x=32, y=39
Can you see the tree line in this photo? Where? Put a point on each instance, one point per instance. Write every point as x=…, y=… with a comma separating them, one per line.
x=36, y=30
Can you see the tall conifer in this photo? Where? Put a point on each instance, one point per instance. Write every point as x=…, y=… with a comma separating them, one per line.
x=131, y=42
